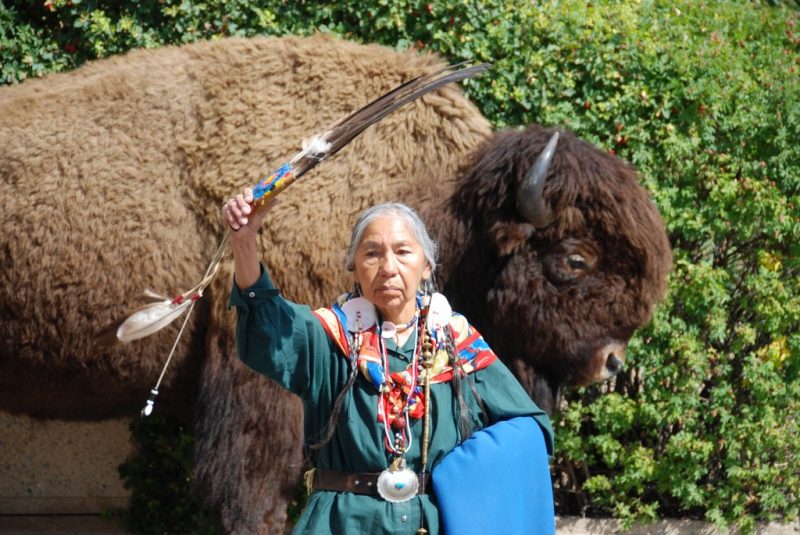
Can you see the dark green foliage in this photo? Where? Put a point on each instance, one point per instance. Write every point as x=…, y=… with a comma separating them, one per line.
x=703, y=97
x=160, y=478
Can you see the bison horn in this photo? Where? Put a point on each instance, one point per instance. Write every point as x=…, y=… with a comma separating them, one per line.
x=530, y=200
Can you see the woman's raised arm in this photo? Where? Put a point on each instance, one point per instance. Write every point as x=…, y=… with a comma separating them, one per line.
x=244, y=220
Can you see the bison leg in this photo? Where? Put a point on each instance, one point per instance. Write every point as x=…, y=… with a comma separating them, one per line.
x=249, y=434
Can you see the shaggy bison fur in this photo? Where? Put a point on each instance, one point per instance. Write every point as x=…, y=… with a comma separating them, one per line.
x=111, y=180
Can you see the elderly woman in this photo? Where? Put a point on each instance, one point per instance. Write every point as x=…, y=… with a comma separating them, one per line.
x=390, y=378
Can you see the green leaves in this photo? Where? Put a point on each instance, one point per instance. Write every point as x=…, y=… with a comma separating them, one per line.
x=160, y=478
x=715, y=376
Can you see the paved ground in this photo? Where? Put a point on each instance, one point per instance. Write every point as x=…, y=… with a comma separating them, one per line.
x=589, y=526
x=59, y=525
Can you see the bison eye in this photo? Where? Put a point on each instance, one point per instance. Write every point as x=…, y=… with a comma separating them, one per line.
x=570, y=261
x=576, y=262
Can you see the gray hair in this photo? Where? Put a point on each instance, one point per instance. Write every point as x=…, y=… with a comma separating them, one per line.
x=407, y=215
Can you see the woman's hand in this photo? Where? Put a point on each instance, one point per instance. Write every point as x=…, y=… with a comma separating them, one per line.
x=241, y=215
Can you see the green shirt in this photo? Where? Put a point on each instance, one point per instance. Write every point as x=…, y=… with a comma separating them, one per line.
x=286, y=342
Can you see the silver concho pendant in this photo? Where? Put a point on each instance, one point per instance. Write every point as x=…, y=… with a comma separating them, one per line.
x=399, y=485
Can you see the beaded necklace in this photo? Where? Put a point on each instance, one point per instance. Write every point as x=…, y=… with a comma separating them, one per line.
x=398, y=483
x=402, y=437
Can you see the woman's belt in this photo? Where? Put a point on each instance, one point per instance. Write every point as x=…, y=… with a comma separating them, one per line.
x=355, y=482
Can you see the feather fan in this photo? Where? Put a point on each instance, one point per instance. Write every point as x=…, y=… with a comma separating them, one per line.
x=153, y=317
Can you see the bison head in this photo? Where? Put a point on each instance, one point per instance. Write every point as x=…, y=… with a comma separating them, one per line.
x=571, y=257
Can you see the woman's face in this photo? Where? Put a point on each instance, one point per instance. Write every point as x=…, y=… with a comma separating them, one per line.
x=389, y=266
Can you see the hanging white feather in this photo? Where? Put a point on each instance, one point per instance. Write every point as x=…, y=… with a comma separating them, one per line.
x=150, y=319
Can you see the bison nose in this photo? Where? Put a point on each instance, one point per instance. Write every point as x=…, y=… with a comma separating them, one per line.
x=614, y=354
x=613, y=364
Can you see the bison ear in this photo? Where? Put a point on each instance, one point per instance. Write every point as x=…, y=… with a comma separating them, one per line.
x=509, y=236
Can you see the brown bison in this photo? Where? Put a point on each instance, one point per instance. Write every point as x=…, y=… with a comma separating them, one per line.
x=112, y=177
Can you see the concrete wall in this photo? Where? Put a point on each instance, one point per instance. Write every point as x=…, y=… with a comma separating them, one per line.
x=56, y=467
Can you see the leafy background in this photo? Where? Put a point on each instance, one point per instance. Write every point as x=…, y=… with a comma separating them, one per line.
x=703, y=97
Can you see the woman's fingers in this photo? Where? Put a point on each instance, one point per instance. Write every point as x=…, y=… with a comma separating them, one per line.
x=248, y=195
x=237, y=211
x=241, y=209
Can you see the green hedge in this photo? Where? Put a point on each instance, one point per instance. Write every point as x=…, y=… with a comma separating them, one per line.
x=703, y=97
x=159, y=477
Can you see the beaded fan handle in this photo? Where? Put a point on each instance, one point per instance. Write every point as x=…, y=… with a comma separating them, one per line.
x=270, y=186
x=151, y=318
